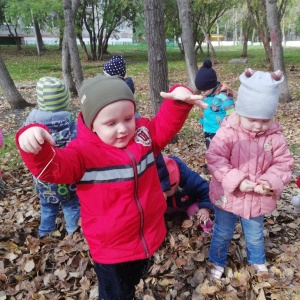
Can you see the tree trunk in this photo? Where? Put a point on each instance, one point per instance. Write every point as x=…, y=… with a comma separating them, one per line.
x=259, y=16
x=83, y=46
x=13, y=97
x=70, y=10
x=187, y=40
x=16, y=38
x=66, y=67
x=157, y=57
x=39, y=40
x=209, y=45
x=253, y=36
x=246, y=36
x=277, y=50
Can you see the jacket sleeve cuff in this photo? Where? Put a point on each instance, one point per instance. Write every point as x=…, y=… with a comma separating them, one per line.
x=33, y=160
x=298, y=182
x=25, y=128
x=274, y=181
x=232, y=180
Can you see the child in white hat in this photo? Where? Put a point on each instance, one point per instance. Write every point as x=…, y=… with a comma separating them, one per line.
x=53, y=98
x=296, y=199
x=250, y=165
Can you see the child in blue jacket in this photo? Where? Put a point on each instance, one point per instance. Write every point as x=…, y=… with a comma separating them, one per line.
x=217, y=95
x=189, y=192
x=53, y=99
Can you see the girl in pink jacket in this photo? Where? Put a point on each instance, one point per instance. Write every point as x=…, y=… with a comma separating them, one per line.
x=250, y=164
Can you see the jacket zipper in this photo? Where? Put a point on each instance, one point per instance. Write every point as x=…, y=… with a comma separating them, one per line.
x=138, y=203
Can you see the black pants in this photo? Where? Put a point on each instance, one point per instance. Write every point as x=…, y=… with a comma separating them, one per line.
x=118, y=281
x=208, y=137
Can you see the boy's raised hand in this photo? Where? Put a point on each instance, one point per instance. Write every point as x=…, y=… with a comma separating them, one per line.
x=31, y=139
x=183, y=94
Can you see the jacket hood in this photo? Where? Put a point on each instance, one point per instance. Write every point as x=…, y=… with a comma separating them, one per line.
x=233, y=121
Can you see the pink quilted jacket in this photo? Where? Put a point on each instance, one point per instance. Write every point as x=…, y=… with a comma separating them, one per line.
x=236, y=154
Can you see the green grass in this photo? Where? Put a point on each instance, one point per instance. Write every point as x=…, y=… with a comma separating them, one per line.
x=9, y=152
x=25, y=65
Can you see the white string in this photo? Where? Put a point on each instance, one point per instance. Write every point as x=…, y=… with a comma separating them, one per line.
x=37, y=179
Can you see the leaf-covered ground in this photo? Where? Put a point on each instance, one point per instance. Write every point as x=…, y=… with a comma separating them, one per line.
x=60, y=266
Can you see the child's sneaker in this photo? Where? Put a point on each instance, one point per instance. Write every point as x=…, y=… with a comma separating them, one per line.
x=207, y=226
x=216, y=272
x=260, y=268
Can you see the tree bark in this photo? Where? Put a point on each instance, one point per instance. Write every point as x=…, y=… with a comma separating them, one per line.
x=15, y=36
x=277, y=50
x=246, y=36
x=157, y=57
x=13, y=97
x=70, y=10
x=38, y=36
x=66, y=67
x=259, y=17
x=188, y=40
x=209, y=45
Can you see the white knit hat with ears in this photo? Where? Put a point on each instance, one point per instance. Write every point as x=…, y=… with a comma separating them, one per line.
x=296, y=203
x=258, y=94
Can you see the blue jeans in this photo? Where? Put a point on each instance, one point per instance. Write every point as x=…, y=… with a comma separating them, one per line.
x=118, y=281
x=49, y=212
x=224, y=226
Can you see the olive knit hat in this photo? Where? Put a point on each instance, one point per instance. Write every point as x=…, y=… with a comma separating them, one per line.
x=99, y=91
x=52, y=94
x=258, y=94
x=206, y=77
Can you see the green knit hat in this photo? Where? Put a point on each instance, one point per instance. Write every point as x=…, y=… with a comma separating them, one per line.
x=52, y=94
x=99, y=91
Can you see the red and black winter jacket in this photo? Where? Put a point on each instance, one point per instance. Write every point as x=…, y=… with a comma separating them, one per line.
x=122, y=204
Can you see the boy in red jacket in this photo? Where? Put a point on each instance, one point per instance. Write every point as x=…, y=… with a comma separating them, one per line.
x=112, y=161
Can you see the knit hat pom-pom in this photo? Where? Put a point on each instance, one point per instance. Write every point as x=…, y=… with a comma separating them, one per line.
x=249, y=72
x=277, y=75
x=207, y=64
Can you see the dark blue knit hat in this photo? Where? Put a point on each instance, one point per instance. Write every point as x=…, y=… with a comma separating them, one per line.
x=206, y=77
x=115, y=66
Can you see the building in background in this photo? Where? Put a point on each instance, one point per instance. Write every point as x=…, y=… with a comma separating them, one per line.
x=122, y=34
